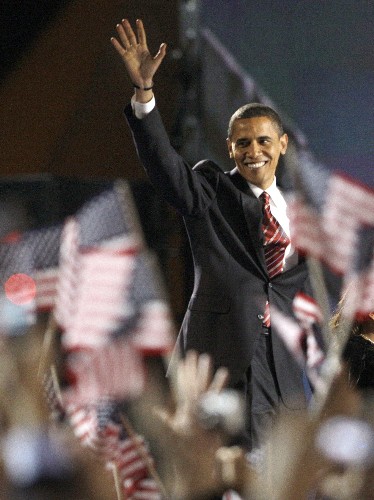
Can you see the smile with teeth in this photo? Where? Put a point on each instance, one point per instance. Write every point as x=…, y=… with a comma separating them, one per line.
x=258, y=164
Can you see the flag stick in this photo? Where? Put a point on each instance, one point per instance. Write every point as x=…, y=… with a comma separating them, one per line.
x=130, y=431
x=56, y=384
x=121, y=495
x=45, y=354
x=129, y=210
x=321, y=296
x=331, y=366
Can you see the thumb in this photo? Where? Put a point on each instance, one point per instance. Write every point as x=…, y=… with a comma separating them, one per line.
x=161, y=53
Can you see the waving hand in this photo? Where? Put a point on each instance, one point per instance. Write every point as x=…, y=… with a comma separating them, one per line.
x=140, y=64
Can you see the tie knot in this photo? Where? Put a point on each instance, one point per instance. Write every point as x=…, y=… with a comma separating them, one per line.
x=265, y=197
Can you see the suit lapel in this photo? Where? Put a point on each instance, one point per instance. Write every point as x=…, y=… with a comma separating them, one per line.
x=252, y=215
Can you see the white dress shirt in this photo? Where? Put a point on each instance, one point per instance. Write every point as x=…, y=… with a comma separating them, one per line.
x=142, y=108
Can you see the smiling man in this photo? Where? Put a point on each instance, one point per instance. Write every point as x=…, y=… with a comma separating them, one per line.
x=238, y=229
x=255, y=142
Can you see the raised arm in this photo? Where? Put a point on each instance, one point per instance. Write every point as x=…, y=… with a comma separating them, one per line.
x=180, y=185
x=141, y=66
x=189, y=449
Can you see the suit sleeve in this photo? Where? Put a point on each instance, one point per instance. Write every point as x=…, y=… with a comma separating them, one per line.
x=190, y=191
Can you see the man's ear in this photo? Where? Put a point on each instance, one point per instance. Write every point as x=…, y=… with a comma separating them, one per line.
x=284, y=143
x=229, y=147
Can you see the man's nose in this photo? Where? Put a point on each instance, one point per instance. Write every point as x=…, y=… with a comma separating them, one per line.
x=254, y=149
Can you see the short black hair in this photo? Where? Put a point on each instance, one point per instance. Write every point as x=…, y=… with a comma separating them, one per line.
x=253, y=110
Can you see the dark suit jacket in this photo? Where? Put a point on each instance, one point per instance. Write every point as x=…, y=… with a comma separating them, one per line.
x=231, y=285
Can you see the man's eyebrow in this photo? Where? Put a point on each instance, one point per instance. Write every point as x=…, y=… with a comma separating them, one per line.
x=241, y=140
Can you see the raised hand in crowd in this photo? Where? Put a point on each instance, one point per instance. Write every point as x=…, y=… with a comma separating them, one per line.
x=189, y=447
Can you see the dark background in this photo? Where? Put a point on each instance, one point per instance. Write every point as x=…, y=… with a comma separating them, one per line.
x=314, y=58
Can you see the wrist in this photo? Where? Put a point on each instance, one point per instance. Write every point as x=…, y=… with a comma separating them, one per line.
x=143, y=91
x=143, y=96
x=145, y=86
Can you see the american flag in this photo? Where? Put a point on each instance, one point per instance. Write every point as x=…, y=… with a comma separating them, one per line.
x=332, y=232
x=337, y=227
x=113, y=311
x=359, y=294
x=116, y=291
x=99, y=428
x=35, y=254
x=306, y=309
x=52, y=397
x=146, y=489
x=68, y=276
x=110, y=283
x=106, y=220
x=115, y=371
x=101, y=285
x=301, y=337
x=150, y=322
x=108, y=215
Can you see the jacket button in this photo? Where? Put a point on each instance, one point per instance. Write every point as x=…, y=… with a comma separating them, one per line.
x=270, y=285
x=260, y=316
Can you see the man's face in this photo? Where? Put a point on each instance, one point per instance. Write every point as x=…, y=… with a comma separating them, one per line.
x=255, y=146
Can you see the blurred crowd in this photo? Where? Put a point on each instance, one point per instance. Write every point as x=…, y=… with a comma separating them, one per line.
x=181, y=438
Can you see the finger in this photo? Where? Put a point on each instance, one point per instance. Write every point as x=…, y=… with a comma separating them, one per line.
x=182, y=380
x=160, y=54
x=220, y=380
x=204, y=373
x=129, y=32
x=142, y=37
x=119, y=48
x=189, y=374
x=123, y=37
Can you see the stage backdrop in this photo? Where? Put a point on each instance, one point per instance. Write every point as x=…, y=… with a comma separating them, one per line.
x=313, y=59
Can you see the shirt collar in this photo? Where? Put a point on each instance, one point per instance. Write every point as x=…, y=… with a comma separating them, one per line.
x=257, y=191
x=273, y=191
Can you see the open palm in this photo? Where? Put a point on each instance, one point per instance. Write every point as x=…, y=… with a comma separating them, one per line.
x=140, y=64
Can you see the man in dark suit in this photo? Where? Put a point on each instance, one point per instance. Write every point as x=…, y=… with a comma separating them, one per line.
x=223, y=215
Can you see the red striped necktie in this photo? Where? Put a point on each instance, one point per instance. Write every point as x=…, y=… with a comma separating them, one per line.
x=275, y=244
